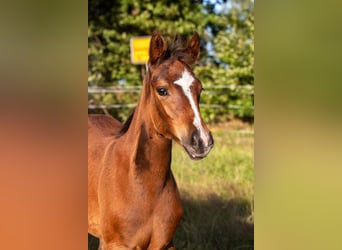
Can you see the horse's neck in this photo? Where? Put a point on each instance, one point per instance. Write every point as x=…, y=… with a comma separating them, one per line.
x=150, y=152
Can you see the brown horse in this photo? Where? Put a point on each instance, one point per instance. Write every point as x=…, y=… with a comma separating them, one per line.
x=133, y=200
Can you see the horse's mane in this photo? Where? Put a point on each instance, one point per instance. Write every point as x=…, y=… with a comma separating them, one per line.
x=126, y=125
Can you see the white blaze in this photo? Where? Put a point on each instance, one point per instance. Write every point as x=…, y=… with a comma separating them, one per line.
x=185, y=81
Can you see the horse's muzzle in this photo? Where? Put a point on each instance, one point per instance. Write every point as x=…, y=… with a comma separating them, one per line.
x=199, y=146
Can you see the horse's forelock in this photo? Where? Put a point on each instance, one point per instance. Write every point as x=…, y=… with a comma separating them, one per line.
x=178, y=50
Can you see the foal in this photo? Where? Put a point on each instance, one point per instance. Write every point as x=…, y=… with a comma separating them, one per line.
x=133, y=200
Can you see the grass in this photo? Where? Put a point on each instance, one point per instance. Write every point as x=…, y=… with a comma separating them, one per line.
x=217, y=193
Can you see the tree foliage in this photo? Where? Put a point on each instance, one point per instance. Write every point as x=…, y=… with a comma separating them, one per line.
x=227, y=52
x=231, y=62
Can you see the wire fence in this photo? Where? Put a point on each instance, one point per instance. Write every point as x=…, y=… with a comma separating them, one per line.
x=137, y=89
x=131, y=89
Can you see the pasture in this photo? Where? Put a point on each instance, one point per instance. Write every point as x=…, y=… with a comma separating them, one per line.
x=217, y=192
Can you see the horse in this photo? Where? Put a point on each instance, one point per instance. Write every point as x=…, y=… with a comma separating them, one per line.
x=133, y=199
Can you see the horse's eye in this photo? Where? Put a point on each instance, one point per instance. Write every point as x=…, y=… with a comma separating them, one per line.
x=162, y=91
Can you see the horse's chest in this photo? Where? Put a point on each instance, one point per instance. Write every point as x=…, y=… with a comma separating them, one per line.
x=154, y=222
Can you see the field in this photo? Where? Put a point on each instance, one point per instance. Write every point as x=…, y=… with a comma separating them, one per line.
x=217, y=192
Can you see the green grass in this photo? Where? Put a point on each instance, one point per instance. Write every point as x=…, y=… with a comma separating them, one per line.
x=217, y=194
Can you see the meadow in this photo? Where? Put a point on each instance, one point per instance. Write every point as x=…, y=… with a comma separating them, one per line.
x=217, y=192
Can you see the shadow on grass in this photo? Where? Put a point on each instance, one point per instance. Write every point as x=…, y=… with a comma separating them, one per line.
x=211, y=223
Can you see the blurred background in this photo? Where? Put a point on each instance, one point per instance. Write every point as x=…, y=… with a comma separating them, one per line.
x=226, y=61
x=217, y=192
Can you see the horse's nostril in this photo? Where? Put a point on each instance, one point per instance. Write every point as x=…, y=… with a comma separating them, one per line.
x=196, y=141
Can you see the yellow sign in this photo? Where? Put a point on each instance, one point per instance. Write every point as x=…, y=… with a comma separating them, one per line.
x=139, y=49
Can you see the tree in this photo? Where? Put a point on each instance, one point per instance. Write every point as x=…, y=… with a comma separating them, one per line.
x=232, y=61
x=111, y=24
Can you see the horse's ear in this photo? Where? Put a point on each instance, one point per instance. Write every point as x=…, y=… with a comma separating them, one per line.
x=193, y=47
x=158, y=46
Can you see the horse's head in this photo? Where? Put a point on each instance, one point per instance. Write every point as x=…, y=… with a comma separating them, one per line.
x=174, y=94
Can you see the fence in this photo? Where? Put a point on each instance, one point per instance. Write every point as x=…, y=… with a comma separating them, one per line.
x=136, y=89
